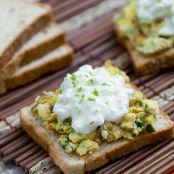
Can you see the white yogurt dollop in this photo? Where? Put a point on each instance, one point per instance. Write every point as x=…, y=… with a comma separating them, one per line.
x=92, y=96
x=150, y=10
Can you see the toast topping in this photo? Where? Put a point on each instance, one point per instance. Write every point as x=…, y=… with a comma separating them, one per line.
x=140, y=116
x=92, y=96
x=149, y=11
x=148, y=25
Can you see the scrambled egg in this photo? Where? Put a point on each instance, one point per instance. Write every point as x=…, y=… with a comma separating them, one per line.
x=144, y=37
x=140, y=118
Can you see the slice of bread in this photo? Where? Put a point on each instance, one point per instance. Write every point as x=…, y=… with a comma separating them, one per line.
x=74, y=164
x=19, y=20
x=142, y=64
x=48, y=39
x=54, y=60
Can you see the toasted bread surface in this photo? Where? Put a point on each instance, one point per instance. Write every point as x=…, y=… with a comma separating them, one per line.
x=74, y=164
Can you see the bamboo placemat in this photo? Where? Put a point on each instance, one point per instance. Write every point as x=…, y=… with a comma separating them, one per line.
x=94, y=42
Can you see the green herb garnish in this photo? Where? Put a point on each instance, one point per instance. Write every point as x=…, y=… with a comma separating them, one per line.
x=79, y=89
x=73, y=77
x=139, y=123
x=105, y=84
x=91, y=99
x=82, y=98
x=150, y=128
x=96, y=93
x=91, y=82
x=74, y=84
x=145, y=116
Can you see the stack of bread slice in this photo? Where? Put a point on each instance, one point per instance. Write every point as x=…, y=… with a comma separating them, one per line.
x=31, y=43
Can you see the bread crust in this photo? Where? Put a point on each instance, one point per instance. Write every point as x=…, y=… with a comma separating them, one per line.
x=22, y=78
x=26, y=34
x=145, y=65
x=74, y=164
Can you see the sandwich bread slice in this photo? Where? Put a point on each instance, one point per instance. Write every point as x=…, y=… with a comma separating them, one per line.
x=19, y=21
x=67, y=138
x=52, y=61
x=48, y=39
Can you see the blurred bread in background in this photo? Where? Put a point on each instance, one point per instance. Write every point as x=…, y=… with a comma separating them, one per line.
x=31, y=43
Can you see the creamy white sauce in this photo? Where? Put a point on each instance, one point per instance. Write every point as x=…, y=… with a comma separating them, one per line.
x=92, y=96
x=150, y=10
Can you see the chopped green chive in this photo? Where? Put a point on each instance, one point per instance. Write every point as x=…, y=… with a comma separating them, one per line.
x=91, y=99
x=74, y=84
x=91, y=81
x=145, y=116
x=154, y=116
x=96, y=93
x=79, y=89
x=105, y=84
x=73, y=77
x=146, y=106
x=82, y=98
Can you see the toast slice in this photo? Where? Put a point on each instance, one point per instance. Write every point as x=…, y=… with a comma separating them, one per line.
x=48, y=39
x=143, y=64
x=74, y=164
x=54, y=60
x=19, y=21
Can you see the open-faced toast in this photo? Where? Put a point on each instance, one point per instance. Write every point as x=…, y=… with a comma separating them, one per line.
x=149, y=52
x=73, y=163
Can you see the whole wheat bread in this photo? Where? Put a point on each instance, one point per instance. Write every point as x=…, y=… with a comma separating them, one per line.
x=19, y=20
x=49, y=38
x=142, y=64
x=54, y=60
x=74, y=164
